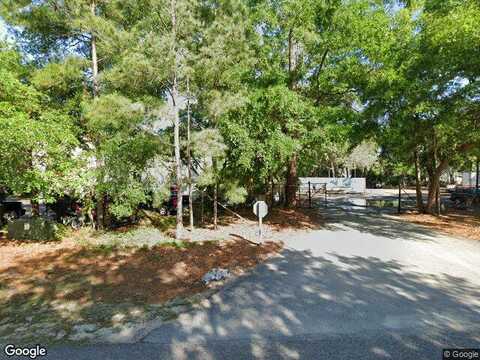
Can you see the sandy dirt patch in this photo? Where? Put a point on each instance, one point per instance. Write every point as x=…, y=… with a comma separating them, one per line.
x=458, y=223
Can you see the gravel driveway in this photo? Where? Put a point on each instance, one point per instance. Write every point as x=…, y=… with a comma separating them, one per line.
x=364, y=286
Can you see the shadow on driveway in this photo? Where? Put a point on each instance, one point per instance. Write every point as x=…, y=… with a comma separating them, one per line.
x=299, y=305
x=374, y=222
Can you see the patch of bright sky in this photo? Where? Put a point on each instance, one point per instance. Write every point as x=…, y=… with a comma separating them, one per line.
x=453, y=86
x=394, y=7
x=4, y=35
x=3, y=29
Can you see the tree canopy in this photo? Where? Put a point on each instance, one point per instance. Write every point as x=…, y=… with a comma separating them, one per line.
x=93, y=93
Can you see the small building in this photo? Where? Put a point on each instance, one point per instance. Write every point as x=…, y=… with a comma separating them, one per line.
x=468, y=179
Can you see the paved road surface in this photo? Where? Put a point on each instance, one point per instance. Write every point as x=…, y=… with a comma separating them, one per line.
x=364, y=286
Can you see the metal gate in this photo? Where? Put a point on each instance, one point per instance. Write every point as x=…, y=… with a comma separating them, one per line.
x=310, y=193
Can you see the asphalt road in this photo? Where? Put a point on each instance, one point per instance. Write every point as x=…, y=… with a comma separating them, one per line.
x=364, y=286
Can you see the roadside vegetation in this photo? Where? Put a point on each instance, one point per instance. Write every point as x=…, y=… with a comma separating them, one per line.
x=112, y=102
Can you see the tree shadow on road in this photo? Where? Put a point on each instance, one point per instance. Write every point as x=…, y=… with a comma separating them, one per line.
x=299, y=299
x=376, y=223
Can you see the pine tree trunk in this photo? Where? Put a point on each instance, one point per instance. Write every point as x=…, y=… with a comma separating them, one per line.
x=291, y=184
x=100, y=210
x=176, y=118
x=202, y=221
x=418, y=183
x=215, y=206
x=189, y=159
x=94, y=53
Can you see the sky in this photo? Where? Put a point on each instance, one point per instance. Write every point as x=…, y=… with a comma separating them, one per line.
x=4, y=35
x=3, y=29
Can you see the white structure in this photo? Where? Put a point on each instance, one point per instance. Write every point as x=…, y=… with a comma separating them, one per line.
x=344, y=184
x=469, y=179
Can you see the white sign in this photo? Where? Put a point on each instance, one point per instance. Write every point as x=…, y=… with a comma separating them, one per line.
x=260, y=208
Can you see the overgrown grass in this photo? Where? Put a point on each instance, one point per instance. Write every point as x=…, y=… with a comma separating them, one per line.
x=162, y=223
x=136, y=237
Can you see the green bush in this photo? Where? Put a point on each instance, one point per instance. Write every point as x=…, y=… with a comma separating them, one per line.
x=35, y=229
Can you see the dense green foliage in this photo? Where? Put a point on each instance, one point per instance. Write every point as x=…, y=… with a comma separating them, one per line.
x=35, y=135
x=278, y=89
